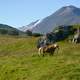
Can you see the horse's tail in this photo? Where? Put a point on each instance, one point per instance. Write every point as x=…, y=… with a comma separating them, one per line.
x=40, y=50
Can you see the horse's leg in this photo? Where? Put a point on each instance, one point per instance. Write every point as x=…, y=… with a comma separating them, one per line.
x=76, y=40
x=42, y=51
x=72, y=40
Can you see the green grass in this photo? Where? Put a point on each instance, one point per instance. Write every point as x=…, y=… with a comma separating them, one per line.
x=19, y=61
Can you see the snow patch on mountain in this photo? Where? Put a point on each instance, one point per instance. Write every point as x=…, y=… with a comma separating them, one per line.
x=30, y=26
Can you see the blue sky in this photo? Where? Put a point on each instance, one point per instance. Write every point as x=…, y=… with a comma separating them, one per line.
x=18, y=13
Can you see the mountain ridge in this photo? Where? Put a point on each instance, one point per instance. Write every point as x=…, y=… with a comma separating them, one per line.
x=67, y=15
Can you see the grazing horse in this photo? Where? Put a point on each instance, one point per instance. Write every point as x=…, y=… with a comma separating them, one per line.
x=48, y=49
x=76, y=38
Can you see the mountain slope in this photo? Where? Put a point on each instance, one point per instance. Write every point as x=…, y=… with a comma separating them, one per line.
x=6, y=29
x=67, y=15
x=29, y=26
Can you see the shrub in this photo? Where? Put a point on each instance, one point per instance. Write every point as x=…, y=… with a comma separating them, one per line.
x=3, y=31
x=29, y=33
x=36, y=34
x=13, y=32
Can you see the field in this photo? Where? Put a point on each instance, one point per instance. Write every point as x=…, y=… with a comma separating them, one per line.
x=19, y=60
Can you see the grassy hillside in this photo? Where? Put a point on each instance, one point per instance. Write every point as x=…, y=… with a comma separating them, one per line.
x=19, y=61
x=9, y=30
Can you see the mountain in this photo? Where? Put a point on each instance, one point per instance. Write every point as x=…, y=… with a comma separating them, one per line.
x=6, y=29
x=67, y=15
x=29, y=26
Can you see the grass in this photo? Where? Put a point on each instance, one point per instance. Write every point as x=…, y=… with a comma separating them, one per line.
x=19, y=61
x=16, y=46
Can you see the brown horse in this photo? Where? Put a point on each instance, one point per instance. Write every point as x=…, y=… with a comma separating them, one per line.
x=48, y=49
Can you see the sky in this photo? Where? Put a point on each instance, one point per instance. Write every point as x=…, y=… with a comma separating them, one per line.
x=18, y=13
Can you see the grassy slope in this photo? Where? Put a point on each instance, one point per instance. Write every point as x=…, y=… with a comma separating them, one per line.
x=18, y=63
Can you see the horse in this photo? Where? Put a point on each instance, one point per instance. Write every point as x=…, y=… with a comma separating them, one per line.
x=76, y=38
x=48, y=49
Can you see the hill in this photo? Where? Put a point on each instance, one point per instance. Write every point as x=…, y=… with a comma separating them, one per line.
x=6, y=29
x=19, y=60
x=67, y=15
